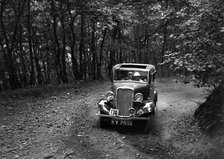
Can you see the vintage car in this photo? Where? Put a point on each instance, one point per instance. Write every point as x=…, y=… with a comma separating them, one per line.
x=131, y=97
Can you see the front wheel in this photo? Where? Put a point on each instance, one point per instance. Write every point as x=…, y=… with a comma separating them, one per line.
x=104, y=122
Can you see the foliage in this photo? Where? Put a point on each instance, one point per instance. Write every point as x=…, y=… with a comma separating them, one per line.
x=200, y=51
x=47, y=41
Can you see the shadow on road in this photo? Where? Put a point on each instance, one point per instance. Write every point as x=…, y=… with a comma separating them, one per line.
x=138, y=127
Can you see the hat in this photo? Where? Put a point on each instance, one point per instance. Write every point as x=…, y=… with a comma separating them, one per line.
x=137, y=74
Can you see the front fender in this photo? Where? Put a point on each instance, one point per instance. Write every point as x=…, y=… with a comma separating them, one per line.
x=148, y=108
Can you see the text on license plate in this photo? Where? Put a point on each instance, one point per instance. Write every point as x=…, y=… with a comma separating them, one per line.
x=121, y=122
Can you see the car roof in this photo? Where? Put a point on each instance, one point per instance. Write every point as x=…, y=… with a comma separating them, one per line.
x=135, y=67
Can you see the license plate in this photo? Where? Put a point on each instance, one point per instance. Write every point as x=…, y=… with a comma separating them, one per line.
x=114, y=112
x=121, y=122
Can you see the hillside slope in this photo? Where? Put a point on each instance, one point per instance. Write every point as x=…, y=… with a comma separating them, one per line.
x=211, y=113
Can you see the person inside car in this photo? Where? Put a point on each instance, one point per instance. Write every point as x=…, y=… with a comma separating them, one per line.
x=137, y=77
x=130, y=76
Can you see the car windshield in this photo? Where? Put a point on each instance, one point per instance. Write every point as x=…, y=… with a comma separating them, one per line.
x=128, y=75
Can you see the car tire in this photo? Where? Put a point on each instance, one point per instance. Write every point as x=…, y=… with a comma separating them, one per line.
x=143, y=126
x=140, y=124
x=150, y=126
x=102, y=122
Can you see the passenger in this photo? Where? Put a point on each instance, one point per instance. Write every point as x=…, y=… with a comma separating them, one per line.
x=137, y=77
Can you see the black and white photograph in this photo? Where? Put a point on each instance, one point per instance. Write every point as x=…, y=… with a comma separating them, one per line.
x=111, y=79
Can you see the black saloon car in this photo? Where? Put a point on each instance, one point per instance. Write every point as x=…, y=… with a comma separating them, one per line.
x=131, y=97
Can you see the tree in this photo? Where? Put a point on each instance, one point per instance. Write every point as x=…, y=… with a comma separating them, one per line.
x=200, y=53
x=200, y=50
x=9, y=36
x=44, y=41
x=29, y=26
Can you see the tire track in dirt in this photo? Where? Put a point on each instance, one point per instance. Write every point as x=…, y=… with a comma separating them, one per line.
x=98, y=143
x=175, y=108
x=64, y=126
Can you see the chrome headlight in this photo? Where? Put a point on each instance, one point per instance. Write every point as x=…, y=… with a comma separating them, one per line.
x=110, y=95
x=131, y=111
x=138, y=97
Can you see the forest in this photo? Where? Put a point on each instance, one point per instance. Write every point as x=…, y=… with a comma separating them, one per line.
x=56, y=41
x=56, y=58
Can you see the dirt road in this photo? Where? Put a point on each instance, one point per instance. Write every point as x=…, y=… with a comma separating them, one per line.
x=61, y=123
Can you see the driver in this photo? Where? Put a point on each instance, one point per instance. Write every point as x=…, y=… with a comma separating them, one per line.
x=130, y=76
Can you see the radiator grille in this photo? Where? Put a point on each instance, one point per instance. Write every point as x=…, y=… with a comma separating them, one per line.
x=124, y=101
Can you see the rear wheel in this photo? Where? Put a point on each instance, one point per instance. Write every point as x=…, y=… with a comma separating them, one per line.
x=151, y=124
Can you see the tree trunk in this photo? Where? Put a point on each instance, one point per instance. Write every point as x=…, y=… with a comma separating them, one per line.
x=63, y=55
x=45, y=76
x=57, y=45
x=93, y=50
x=74, y=62
x=164, y=49
x=32, y=72
x=164, y=41
x=81, y=48
x=154, y=55
x=2, y=80
x=48, y=65
x=112, y=58
x=23, y=61
x=11, y=68
x=39, y=73
x=75, y=69
x=2, y=71
x=120, y=47
x=101, y=54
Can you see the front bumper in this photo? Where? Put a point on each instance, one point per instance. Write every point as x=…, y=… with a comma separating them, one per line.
x=144, y=113
x=122, y=117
